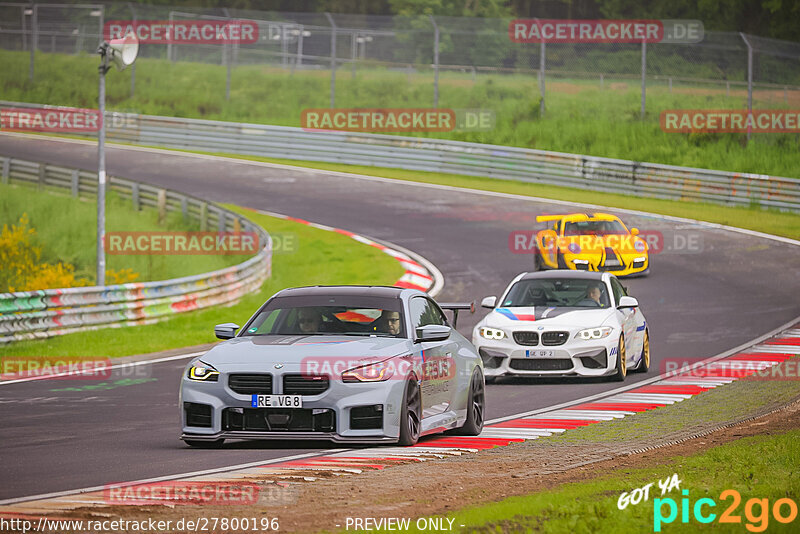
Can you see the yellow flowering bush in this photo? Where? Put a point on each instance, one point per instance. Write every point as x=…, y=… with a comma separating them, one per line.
x=21, y=268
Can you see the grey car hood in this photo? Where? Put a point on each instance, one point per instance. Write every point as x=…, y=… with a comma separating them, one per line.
x=258, y=350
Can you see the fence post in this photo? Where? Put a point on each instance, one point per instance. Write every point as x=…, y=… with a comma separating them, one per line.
x=749, y=84
x=602, y=82
x=644, y=71
x=6, y=169
x=221, y=222
x=670, y=84
x=169, y=42
x=24, y=27
x=133, y=67
x=353, y=44
x=333, y=59
x=435, y=62
x=75, y=183
x=542, y=56
x=299, y=61
x=34, y=39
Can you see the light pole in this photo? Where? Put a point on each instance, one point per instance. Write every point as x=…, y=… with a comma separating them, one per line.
x=122, y=52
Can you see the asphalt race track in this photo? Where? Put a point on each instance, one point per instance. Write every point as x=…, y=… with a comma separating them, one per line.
x=723, y=289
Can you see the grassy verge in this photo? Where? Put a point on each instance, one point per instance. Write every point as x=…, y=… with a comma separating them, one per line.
x=761, y=220
x=582, y=117
x=319, y=257
x=763, y=467
x=66, y=231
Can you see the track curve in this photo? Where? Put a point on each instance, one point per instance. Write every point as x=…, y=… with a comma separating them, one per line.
x=735, y=288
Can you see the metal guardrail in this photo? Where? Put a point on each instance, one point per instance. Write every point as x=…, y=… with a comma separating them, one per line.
x=455, y=157
x=51, y=312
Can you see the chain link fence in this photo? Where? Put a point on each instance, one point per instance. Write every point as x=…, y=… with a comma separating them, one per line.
x=420, y=46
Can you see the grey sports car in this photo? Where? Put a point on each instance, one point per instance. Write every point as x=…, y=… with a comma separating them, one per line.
x=347, y=363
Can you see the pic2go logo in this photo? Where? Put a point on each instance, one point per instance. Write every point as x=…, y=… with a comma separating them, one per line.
x=756, y=511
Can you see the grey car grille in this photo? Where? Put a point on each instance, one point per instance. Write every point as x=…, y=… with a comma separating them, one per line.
x=250, y=383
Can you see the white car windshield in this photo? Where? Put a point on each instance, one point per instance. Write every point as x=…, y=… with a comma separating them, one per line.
x=558, y=293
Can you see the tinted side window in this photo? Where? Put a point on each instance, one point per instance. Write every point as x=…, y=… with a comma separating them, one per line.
x=424, y=312
x=619, y=291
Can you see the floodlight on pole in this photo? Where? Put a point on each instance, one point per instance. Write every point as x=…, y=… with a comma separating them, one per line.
x=121, y=52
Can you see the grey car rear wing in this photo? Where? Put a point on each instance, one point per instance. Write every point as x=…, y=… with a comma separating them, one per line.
x=456, y=306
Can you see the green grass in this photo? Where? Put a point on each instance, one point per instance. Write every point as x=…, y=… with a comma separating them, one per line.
x=763, y=467
x=320, y=257
x=752, y=218
x=66, y=230
x=580, y=118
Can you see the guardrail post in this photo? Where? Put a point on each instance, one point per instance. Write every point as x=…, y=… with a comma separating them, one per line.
x=135, y=196
x=203, y=217
x=162, y=205
x=185, y=208
x=75, y=183
x=42, y=171
x=6, y=169
x=221, y=222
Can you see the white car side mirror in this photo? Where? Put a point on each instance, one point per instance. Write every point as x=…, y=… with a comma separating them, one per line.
x=628, y=302
x=489, y=302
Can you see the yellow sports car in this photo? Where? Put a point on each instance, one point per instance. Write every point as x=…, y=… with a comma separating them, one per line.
x=590, y=242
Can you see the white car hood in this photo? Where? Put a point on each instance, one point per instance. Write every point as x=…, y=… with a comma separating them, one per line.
x=516, y=317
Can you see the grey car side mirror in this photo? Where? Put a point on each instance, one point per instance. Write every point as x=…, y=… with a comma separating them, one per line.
x=432, y=332
x=226, y=330
x=489, y=302
x=628, y=302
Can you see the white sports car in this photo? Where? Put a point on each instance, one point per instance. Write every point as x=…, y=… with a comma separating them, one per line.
x=563, y=323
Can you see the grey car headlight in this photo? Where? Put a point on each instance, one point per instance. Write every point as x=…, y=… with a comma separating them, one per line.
x=202, y=372
x=373, y=372
x=492, y=333
x=595, y=333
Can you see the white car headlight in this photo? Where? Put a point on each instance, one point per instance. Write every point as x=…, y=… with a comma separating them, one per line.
x=203, y=373
x=492, y=333
x=595, y=333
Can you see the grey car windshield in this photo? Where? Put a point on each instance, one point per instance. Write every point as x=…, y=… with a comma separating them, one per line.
x=320, y=316
x=558, y=293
